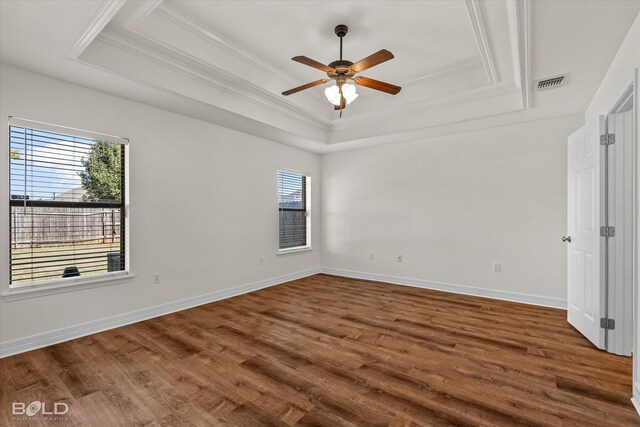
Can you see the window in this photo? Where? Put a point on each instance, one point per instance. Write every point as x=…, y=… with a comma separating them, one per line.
x=293, y=205
x=67, y=204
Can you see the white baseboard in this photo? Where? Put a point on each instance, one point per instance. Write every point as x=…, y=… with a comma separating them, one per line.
x=448, y=287
x=33, y=342
x=636, y=404
x=635, y=399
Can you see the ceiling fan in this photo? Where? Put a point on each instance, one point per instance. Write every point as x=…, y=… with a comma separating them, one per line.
x=343, y=93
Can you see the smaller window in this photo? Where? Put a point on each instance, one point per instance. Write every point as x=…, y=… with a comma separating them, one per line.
x=293, y=206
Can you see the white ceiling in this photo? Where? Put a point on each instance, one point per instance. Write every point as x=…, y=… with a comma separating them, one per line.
x=278, y=30
x=461, y=63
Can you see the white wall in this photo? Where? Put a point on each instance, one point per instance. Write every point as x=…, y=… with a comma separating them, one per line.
x=452, y=206
x=203, y=203
x=624, y=65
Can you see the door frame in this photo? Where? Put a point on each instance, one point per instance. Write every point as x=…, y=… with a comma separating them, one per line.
x=621, y=210
x=629, y=91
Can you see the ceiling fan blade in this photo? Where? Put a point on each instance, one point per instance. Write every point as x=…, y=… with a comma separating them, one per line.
x=303, y=87
x=312, y=63
x=377, y=85
x=377, y=58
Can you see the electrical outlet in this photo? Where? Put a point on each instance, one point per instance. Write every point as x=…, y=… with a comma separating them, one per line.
x=399, y=259
x=156, y=278
x=261, y=261
x=496, y=267
x=372, y=255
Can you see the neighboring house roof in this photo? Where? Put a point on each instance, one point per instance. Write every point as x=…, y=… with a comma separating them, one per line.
x=296, y=196
x=75, y=194
x=292, y=200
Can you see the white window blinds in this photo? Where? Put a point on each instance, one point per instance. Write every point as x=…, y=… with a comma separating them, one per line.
x=293, y=204
x=67, y=202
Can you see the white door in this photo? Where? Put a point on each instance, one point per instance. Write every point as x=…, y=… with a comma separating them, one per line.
x=585, y=294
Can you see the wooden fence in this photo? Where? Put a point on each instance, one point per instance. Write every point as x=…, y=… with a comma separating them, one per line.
x=44, y=227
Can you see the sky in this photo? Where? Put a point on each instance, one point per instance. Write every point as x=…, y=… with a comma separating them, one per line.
x=51, y=161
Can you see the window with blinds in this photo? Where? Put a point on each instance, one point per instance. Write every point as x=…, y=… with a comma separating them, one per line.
x=293, y=205
x=67, y=203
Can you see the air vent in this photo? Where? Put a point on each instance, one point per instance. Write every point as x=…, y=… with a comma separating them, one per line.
x=552, y=82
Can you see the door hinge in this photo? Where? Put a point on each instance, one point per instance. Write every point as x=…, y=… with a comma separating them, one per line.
x=608, y=324
x=607, y=139
x=607, y=231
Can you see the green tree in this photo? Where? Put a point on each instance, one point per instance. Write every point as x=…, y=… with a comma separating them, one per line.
x=101, y=177
x=15, y=155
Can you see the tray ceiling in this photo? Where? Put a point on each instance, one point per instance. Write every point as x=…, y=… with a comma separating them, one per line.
x=228, y=61
x=307, y=29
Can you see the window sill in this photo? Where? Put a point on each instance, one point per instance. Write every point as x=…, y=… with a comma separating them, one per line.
x=294, y=250
x=60, y=286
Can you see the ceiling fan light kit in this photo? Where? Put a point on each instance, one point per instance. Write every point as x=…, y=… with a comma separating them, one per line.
x=333, y=93
x=341, y=71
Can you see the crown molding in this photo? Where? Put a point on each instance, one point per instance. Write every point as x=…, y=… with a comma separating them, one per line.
x=143, y=40
x=170, y=13
x=197, y=70
x=425, y=104
x=484, y=50
x=147, y=7
x=480, y=34
x=454, y=128
x=523, y=22
x=238, y=87
x=227, y=45
x=105, y=14
x=446, y=72
x=212, y=114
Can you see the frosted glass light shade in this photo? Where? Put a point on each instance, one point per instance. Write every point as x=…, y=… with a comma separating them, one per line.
x=333, y=93
x=349, y=92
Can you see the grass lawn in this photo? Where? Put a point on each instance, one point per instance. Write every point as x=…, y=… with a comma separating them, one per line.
x=38, y=264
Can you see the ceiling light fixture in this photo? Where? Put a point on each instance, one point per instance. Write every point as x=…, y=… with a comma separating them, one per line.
x=348, y=92
x=342, y=93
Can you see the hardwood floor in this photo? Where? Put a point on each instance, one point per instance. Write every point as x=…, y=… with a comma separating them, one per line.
x=335, y=352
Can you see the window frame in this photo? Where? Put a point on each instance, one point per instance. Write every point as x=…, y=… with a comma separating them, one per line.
x=307, y=201
x=17, y=291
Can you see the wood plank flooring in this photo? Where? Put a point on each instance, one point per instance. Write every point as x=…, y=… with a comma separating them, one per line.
x=330, y=351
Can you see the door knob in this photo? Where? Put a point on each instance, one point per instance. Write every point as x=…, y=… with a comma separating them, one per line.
x=566, y=239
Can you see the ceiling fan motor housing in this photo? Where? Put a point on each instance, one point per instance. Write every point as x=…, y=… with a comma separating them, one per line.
x=340, y=67
x=341, y=30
